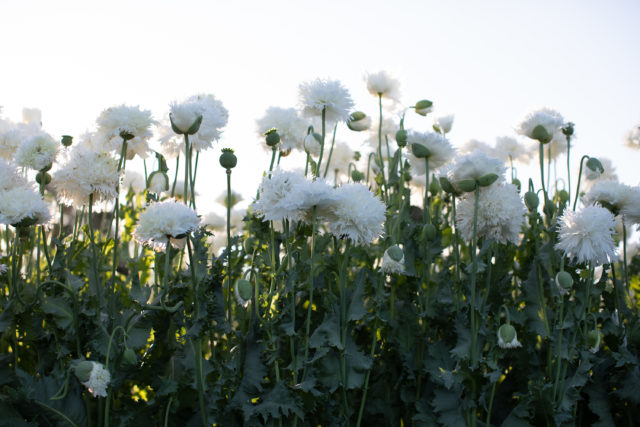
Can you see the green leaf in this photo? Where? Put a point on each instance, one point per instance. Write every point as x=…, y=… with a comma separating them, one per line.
x=328, y=333
x=59, y=308
x=278, y=402
x=463, y=346
x=356, y=307
x=448, y=405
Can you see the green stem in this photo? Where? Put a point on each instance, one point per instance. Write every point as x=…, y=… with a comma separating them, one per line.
x=229, y=242
x=187, y=153
x=380, y=161
x=568, y=167
x=333, y=142
x=318, y=166
x=273, y=158
x=310, y=307
x=474, y=270
x=175, y=177
x=541, y=156
x=579, y=179
x=106, y=366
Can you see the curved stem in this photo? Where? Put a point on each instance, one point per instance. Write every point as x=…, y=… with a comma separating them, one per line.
x=579, y=179
x=333, y=142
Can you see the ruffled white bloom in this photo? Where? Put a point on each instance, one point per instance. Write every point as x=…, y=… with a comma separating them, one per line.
x=32, y=116
x=12, y=135
x=281, y=195
x=392, y=261
x=633, y=138
x=171, y=144
x=549, y=119
x=164, y=222
x=291, y=128
x=475, y=165
x=507, y=337
x=23, y=206
x=84, y=173
x=501, y=214
x=37, y=152
x=115, y=121
x=357, y=214
x=586, y=235
x=440, y=149
x=508, y=148
x=443, y=124
x=214, y=118
x=9, y=176
x=99, y=380
x=133, y=180
x=616, y=196
x=327, y=95
x=383, y=84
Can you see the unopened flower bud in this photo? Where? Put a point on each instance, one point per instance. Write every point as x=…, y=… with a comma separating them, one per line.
x=424, y=107
x=228, y=160
x=272, y=137
x=594, y=337
x=446, y=185
x=467, y=185
x=563, y=196
x=243, y=290
x=393, y=261
x=487, y=180
x=67, y=140
x=158, y=182
x=549, y=209
x=564, y=281
x=517, y=183
x=312, y=143
x=595, y=165
x=434, y=186
x=401, y=137
x=83, y=370
x=129, y=357
x=429, y=232
x=420, y=151
x=531, y=200
x=568, y=129
x=507, y=337
x=358, y=121
x=356, y=175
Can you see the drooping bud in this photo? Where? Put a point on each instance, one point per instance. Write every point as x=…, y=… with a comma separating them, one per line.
x=83, y=370
x=467, y=185
x=393, y=261
x=158, y=182
x=531, y=200
x=564, y=282
x=563, y=196
x=517, y=183
x=549, y=209
x=43, y=178
x=358, y=121
x=429, y=232
x=594, y=337
x=243, y=291
x=228, y=160
x=424, y=107
x=312, y=143
x=595, y=165
x=446, y=185
x=129, y=357
x=507, y=337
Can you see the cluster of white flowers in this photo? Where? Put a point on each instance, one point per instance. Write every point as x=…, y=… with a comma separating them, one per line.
x=350, y=211
x=586, y=235
x=550, y=120
x=214, y=118
x=9, y=176
x=327, y=95
x=621, y=198
x=86, y=172
x=23, y=205
x=501, y=214
x=382, y=84
x=440, y=151
x=130, y=122
x=164, y=222
x=291, y=128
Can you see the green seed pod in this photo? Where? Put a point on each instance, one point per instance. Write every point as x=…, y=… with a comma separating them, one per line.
x=67, y=140
x=467, y=185
x=401, y=138
x=487, y=180
x=564, y=280
x=272, y=137
x=531, y=200
x=83, y=370
x=228, y=160
x=129, y=357
x=568, y=129
x=244, y=289
x=43, y=178
x=395, y=253
x=429, y=232
x=541, y=134
x=420, y=151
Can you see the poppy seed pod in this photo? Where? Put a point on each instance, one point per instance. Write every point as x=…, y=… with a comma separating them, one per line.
x=228, y=160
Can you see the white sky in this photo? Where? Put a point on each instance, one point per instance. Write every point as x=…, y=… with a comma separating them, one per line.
x=489, y=62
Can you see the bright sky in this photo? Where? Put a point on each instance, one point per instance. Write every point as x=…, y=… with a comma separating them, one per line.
x=488, y=62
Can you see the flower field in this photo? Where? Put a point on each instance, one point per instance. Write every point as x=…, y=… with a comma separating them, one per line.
x=410, y=283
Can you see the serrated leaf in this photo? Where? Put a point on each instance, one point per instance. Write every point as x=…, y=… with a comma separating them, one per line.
x=328, y=333
x=463, y=345
x=278, y=402
x=61, y=311
x=447, y=404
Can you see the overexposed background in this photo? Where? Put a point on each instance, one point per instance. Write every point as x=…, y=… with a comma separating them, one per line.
x=487, y=62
